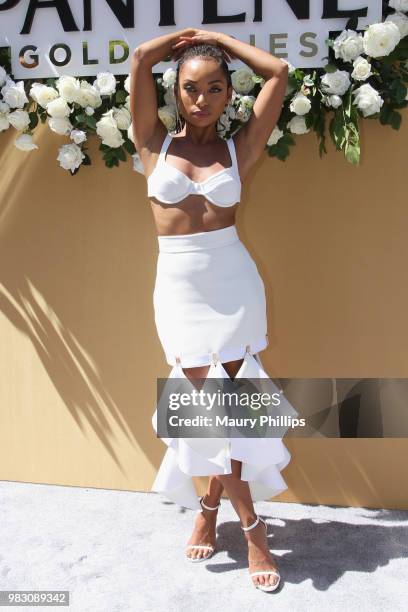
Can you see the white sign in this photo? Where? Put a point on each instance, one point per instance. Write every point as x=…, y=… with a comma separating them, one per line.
x=84, y=37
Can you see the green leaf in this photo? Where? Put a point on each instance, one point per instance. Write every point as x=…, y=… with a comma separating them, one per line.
x=110, y=154
x=121, y=96
x=330, y=68
x=121, y=154
x=87, y=160
x=400, y=90
x=287, y=138
x=352, y=153
x=33, y=120
x=81, y=118
x=91, y=122
x=395, y=120
x=129, y=146
x=385, y=113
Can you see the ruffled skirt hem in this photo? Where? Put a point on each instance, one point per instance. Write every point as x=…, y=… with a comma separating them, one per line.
x=262, y=459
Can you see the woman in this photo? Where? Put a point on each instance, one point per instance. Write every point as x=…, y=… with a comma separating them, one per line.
x=209, y=299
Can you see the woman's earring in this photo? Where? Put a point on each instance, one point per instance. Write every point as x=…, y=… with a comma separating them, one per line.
x=178, y=122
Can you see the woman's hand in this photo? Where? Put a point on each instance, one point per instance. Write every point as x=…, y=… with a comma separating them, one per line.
x=200, y=36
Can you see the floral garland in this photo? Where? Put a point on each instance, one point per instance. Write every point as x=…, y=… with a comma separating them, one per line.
x=366, y=76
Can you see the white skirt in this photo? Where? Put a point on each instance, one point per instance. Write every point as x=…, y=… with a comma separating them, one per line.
x=209, y=306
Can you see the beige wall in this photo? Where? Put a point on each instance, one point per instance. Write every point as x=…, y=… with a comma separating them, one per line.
x=79, y=354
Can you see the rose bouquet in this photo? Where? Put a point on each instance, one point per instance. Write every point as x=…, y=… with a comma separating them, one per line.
x=365, y=77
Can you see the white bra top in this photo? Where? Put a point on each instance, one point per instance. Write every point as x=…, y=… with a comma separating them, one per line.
x=170, y=185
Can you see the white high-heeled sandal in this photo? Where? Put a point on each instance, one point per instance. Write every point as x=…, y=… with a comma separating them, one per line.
x=262, y=587
x=203, y=546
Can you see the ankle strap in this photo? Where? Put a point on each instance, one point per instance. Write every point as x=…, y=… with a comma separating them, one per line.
x=208, y=507
x=254, y=524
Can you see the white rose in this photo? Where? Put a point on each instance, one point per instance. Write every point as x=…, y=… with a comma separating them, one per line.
x=4, y=122
x=223, y=124
x=169, y=78
x=24, y=142
x=401, y=21
x=137, y=164
x=78, y=136
x=127, y=83
x=60, y=125
x=242, y=80
x=336, y=82
x=399, y=5
x=88, y=95
x=127, y=103
x=130, y=133
x=3, y=76
x=230, y=111
x=348, y=45
x=105, y=82
x=169, y=96
x=42, y=94
x=4, y=108
x=9, y=82
x=362, y=69
x=19, y=119
x=334, y=101
x=380, y=39
x=68, y=87
x=14, y=94
x=70, y=157
x=244, y=110
x=58, y=108
x=122, y=117
x=107, y=130
x=300, y=104
x=167, y=115
x=89, y=111
x=368, y=99
x=275, y=136
x=297, y=125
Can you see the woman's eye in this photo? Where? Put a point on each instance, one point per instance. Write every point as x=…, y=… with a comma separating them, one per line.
x=190, y=88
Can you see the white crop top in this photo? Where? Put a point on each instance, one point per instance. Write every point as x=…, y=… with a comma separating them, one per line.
x=170, y=185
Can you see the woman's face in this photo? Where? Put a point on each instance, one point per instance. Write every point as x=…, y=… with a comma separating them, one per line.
x=202, y=87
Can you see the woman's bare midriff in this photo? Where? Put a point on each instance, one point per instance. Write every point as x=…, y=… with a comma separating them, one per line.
x=192, y=215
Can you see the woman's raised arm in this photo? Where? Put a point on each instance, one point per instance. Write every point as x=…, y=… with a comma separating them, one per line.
x=143, y=97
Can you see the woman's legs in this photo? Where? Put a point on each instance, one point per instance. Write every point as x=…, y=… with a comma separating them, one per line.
x=259, y=557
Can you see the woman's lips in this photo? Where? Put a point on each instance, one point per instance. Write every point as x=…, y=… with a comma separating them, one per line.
x=201, y=114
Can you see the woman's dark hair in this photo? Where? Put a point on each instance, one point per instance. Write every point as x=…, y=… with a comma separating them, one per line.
x=205, y=51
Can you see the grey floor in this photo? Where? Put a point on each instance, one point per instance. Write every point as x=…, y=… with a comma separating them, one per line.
x=124, y=551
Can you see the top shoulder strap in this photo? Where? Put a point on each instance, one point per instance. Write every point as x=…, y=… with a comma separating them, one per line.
x=165, y=145
x=233, y=153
